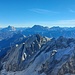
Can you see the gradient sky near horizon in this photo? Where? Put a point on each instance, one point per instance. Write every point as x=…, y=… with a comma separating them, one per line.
x=26, y=13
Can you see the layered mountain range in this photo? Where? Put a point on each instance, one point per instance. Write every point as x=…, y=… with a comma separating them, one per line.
x=55, y=32
x=37, y=51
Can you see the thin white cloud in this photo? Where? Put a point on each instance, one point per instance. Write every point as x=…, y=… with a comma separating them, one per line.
x=61, y=23
x=72, y=11
x=42, y=11
x=65, y=23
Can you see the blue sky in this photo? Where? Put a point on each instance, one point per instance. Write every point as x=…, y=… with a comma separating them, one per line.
x=25, y=13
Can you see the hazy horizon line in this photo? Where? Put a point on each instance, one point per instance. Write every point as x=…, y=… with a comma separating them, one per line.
x=37, y=25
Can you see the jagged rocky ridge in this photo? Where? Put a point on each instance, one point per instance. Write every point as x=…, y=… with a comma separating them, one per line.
x=38, y=56
x=19, y=57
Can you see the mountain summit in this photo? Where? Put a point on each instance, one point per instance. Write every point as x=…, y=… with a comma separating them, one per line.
x=9, y=28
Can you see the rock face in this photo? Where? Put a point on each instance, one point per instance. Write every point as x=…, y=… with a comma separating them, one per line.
x=19, y=57
x=38, y=56
x=57, y=57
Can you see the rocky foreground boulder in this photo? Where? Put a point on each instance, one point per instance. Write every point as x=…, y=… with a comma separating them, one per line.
x=41, y=57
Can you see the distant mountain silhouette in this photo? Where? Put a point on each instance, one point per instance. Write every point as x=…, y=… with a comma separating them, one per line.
x=50, y=32
x=9, y=28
